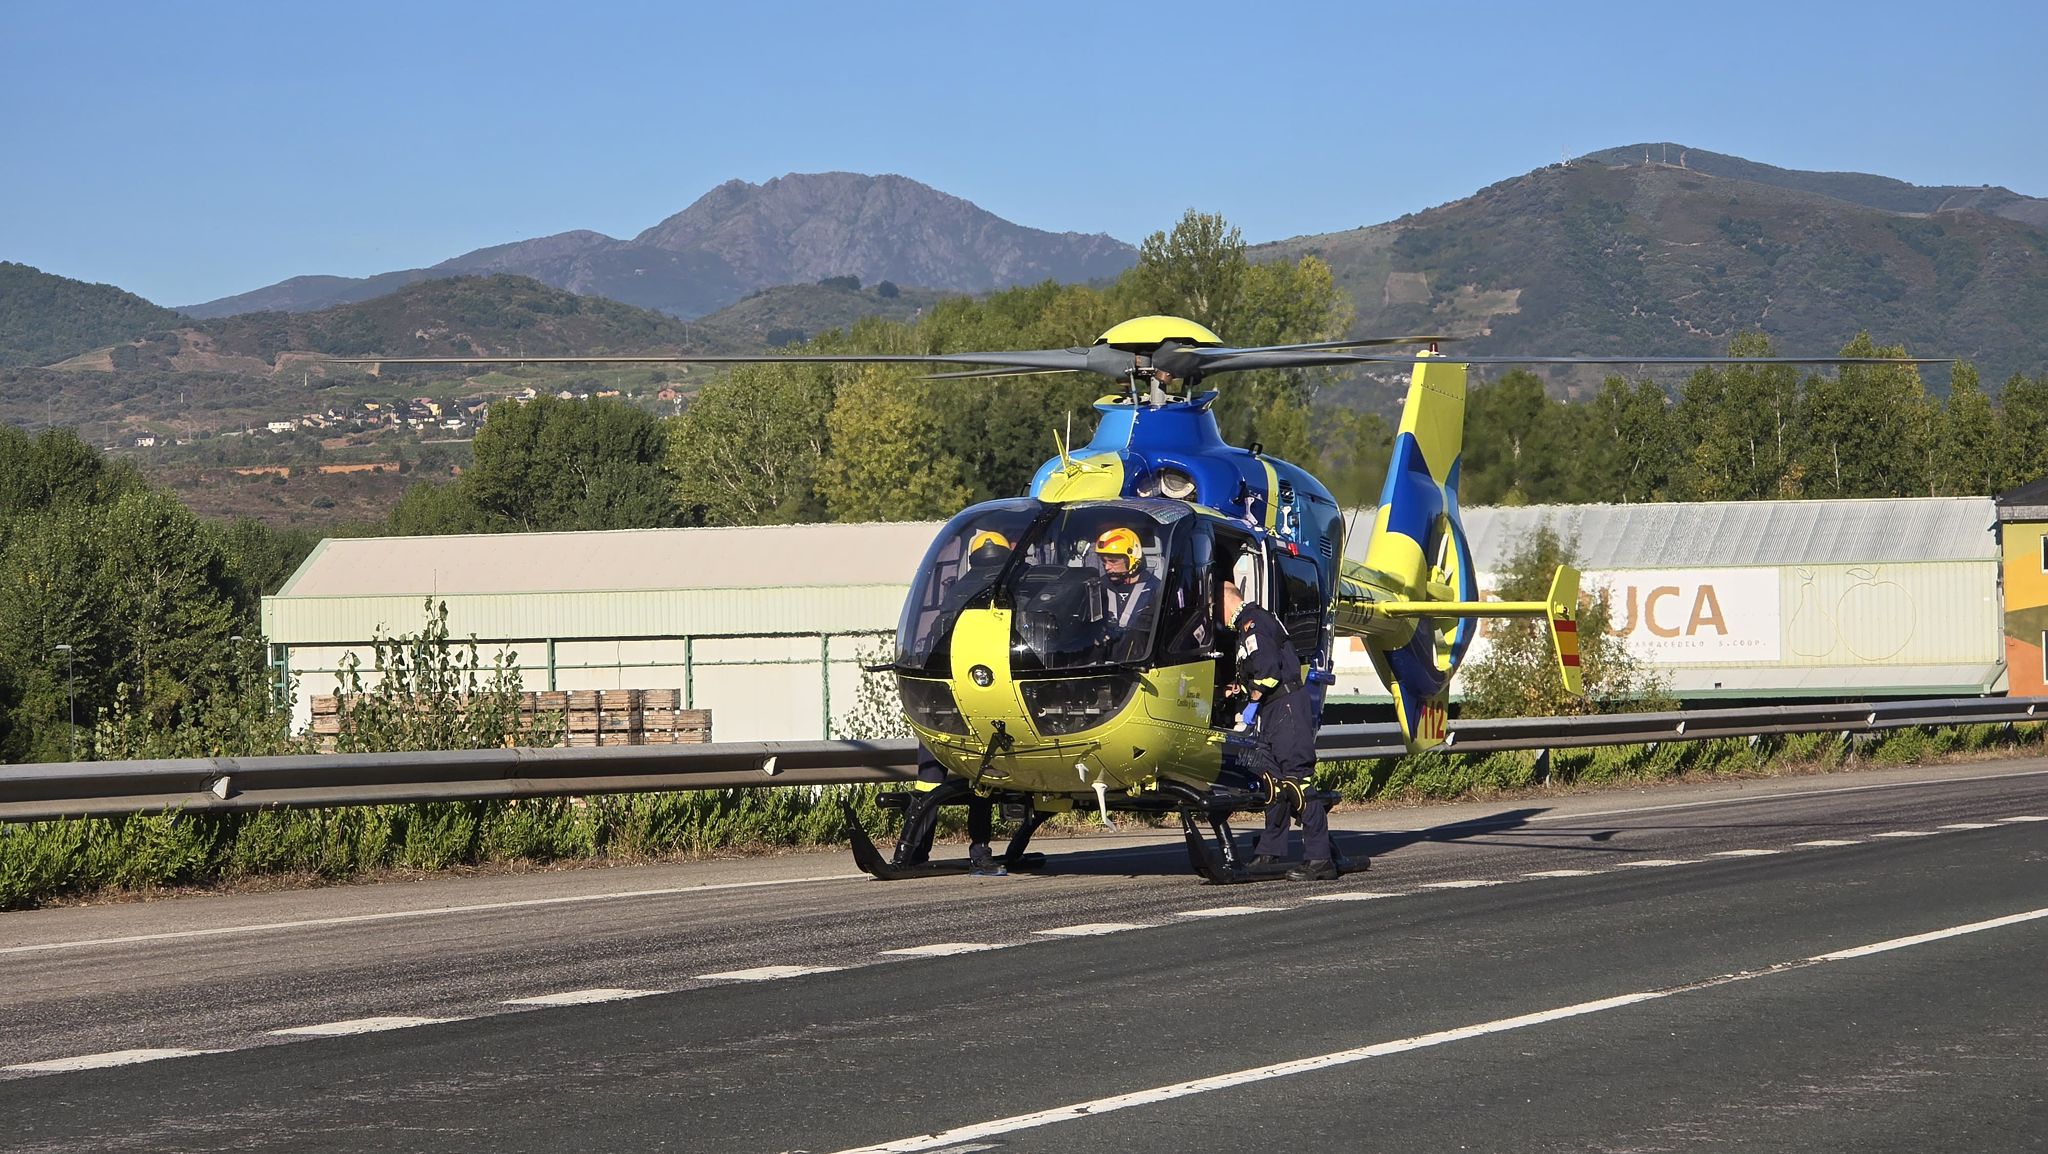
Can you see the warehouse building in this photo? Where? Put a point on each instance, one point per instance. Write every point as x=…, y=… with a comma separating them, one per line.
x=767, y=627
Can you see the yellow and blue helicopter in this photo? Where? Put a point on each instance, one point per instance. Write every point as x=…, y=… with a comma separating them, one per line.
x=1039, y=687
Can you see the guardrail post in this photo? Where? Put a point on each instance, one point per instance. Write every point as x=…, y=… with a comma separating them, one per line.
x=1543, y=767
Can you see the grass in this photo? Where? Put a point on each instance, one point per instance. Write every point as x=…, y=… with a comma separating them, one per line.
x=49, y=861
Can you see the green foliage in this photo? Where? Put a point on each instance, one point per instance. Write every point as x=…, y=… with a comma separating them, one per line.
x=1518, y=675
x=427, y=692
x=45, y=318
x=747, y=450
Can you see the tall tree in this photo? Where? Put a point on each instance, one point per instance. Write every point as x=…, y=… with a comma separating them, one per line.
x=1866, y=429
x=747, y=450
x=1740, y=427
x=884, y=462
x=2023, y=407
x=1967, y=447
x=554, y=464
x=1627, y=443
x=1518, y=448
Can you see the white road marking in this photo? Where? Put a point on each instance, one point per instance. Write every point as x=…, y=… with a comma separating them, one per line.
x=1905, y=833
x=2024, y=817
x=437, y=911
x=1971, y=825
x=582, y=997
x=1745, y=852
x=1353, y=896
x=1228, y=911
x=101, y=1061
x=1561, y=874
x=1830, y=842
x=942, y=949
x=1462, y=884
x=1774, y=797
x=1653, y=862
x=767, y=973
x=361, y=1026
x=1094, y=929
x=1080, y=1110
x=1930, y=936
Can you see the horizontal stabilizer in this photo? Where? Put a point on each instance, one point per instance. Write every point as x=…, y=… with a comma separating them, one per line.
x=1562, y=615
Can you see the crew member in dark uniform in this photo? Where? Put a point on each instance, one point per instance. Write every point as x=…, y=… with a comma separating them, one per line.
x=1269, y=671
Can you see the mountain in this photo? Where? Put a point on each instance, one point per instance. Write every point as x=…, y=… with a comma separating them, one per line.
x=771, y=317
x=45, y=318
x=740, y=238
x=1598, y=258
x=1879, y=192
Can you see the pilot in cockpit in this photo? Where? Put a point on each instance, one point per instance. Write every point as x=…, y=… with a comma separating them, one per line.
x=1133, y=590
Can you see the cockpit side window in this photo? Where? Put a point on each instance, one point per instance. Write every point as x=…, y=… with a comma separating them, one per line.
x=959, y=572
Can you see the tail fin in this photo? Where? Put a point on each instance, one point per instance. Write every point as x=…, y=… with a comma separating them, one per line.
x=1561, y=613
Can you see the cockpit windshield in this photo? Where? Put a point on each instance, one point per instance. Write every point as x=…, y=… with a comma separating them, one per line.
x=1086, y=583
x=1087, y=590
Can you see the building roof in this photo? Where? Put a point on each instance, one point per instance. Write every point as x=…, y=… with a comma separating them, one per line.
x=1715, y=534
x=776, y=556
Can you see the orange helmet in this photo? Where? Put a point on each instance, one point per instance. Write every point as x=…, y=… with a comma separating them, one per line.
x=1120, y=542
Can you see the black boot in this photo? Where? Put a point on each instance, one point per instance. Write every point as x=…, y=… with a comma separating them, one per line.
x=1314, y=871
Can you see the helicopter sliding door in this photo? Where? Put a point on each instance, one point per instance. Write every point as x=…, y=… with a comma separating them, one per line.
x=1241, y=558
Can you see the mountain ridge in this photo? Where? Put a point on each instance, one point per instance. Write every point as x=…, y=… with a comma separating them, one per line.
x=741, y=237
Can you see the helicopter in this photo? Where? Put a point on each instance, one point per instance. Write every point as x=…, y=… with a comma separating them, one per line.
x=1018, y=675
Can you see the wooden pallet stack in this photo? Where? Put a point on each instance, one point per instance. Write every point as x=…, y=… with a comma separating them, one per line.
x=590, y=717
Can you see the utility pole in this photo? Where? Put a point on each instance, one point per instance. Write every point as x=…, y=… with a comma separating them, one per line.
x=70, y=694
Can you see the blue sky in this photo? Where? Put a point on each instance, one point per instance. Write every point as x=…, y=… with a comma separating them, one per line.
x=191, y=150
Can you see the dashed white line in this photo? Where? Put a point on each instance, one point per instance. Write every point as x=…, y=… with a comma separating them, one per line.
x=101, y=1061
x=1560, y=873
x=1079, y=1110
x=1654, y=862
x=1463, y=884
x=438, y=911
x=1353, y=896
x=766, y=973
x=1826, y=842
x=1093, y=929
x=2025, y=817
x=1227, y=911
x=1906, y=833
x=361, y=1026
x=941, y=949
x=1745, y=852
x=582, y=997
x=1971, y=825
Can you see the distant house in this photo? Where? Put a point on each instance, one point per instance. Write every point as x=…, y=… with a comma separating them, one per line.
x=454, y=423
x=668, y=395
x=146, y=441
x=280, y=426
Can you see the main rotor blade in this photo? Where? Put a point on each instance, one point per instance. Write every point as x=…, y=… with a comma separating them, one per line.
x=1349, y=343
x=1050, y=360
x=991, y=374
x=1376, y=358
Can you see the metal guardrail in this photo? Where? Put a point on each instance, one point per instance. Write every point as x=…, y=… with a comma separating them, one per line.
x=200, y=785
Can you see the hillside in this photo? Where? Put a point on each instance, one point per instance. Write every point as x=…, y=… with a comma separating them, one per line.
x=1594, y=259
x=741, y=237
x=777, y=316
x=45, y=318
x=1879, y=192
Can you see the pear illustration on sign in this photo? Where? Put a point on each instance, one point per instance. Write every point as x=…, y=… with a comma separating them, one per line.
x=1881, y=612
x=1812, y=628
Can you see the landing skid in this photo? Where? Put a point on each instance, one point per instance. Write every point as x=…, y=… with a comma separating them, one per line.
x=870, y=860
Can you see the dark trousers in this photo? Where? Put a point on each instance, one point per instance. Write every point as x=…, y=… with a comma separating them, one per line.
x=921, y=823
x=1284, y=725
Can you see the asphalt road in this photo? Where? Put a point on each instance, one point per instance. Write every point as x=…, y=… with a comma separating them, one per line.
x=1672, y=969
